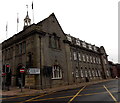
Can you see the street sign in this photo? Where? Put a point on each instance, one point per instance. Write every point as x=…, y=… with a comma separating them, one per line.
x=34, y=70
x=22, y=70
x=3, y=74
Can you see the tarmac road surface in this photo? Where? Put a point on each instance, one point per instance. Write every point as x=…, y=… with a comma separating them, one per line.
x=97, y=93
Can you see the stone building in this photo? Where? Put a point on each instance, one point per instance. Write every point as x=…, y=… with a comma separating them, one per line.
x=59, y=58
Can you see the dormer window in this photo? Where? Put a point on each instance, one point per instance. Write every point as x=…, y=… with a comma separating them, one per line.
x=90, y=46
x=84, y=44
x=95, y=49
x=69, y=38
x=78, y=42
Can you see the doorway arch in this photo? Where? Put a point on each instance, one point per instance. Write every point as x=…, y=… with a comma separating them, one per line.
x=19, y=75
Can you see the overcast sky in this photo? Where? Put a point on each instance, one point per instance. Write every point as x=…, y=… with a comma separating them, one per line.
x=94, y=21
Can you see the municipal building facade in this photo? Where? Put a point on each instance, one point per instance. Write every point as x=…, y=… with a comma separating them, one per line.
x=60, y=58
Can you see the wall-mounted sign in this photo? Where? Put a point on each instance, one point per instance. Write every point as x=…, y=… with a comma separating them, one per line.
x=34, y=71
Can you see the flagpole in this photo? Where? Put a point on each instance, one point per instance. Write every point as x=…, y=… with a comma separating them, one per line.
x=6, y=29
x=33, y=15
x=32, y=11
x=17, y=22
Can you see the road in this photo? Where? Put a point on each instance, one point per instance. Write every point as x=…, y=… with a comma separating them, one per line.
x=100, y=92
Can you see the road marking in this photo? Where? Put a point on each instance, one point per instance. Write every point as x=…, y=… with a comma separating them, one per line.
x=71, y=96
x=36, y=97
x=52, y=98
x=76, y=95
x=16, y=96
x=110, y=94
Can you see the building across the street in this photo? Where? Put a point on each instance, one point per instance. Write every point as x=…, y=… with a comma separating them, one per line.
x=52, y=58
x=114, y=69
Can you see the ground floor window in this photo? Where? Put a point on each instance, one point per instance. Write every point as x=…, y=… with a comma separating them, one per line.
x=77, y=72
x=93, y=73
x=56, y=72
x=107, y=73
x=90, y=73
x=81, y=73
x=99, y=74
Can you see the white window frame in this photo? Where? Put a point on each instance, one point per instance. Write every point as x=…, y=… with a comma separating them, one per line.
x=90, y=46
x=86, y=73
x=99, y=74
x=81, y=73
x=87, y=58
x=69, y=38
x=99, y=61
x=77, y=72
x=84, y=44
x=74, y=55
x=79, y=56
x=107, y=72
x=105, y=61
x=78, y=42
x=93, y=73
x=91, y=59
x=57, y=69
x=83, y=57
x=90, y=73
x=96, y=73
x=95, y=49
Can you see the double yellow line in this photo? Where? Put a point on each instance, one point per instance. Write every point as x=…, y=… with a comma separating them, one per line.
x=110, y=94
x=76, y=95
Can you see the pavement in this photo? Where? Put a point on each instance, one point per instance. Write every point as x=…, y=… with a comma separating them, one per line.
x=26, y=91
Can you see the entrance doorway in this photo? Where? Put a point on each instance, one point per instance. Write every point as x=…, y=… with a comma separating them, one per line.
x=20, y=76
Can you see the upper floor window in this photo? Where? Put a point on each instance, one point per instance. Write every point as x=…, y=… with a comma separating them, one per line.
x=95, y=49
x=91, y=59
x=94, y=59
x=56, y=72
x=105, y=61
x=96, y=72
x=75, y=55
x=99, y=74
x=87, y=58
x=79, y=56
x=20, y=48
x=24, y=47
x=99, y=61
x=54, y=42
x=83, y=57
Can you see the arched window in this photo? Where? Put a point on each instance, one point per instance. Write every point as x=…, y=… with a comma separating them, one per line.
x=56, y=72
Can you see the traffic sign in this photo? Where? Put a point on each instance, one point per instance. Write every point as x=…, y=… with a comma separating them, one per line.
x=22, y=70
x=3, y=74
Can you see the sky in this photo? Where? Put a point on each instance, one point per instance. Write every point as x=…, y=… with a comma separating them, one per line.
x=93, y=21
